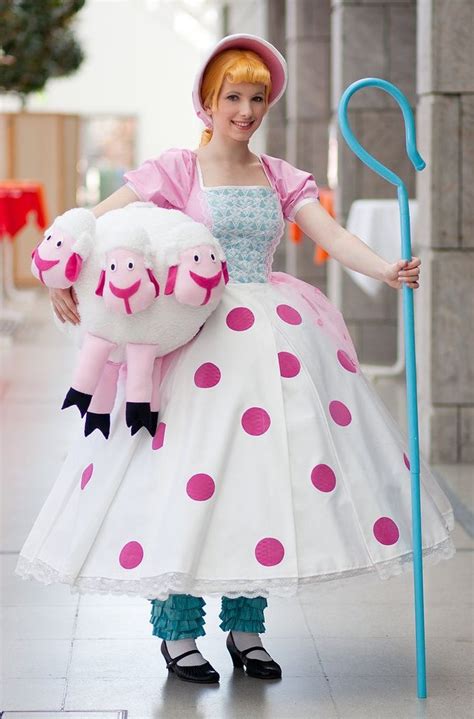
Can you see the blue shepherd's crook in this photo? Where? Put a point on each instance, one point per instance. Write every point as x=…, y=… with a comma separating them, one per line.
x=409, y=328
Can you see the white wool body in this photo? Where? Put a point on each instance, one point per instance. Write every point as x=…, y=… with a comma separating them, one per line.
x=167, y=323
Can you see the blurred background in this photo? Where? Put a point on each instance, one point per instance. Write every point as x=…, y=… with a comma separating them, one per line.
x=90, y=89
x=130, y=98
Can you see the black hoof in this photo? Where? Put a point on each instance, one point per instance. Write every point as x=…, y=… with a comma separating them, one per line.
x=74, y=398
x=97, y=421
x=137, y=415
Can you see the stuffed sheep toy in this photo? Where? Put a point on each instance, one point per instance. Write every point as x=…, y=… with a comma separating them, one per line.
x=146, y=280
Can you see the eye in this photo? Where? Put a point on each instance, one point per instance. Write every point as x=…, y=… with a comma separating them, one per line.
x=130, y=265
x=59, y=243
x=258, y=98
x=113, y=266
x=213, y=257
x=48, y=238
x=232, y=97
x=196, y=258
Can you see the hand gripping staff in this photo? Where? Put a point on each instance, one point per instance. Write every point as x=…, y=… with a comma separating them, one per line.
x=409, y=334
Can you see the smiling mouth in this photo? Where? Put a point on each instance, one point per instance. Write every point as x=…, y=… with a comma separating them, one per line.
x=243, y=125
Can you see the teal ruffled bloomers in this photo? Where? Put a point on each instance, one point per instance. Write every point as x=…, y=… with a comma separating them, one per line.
x=181, y=616
x=243, y=614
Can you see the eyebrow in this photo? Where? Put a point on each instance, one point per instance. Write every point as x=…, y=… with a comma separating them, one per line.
x=234, y=92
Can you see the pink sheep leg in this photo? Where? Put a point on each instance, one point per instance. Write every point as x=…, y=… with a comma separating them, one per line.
x=140, y=365
x=94, y=354
x=155, y=393
x=103, y=400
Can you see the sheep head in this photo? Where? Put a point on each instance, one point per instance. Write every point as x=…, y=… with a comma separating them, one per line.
x=57, y=260
x=127, y=282
x=197, y=270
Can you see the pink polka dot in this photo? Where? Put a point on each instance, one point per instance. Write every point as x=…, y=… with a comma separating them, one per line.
x=386, y=531
x=255, y=421
x=320, y=322
x=346, y=361
x=269, y=551
x=207, y=375
x=159, y=438
x=131, y=555
x=406, y=460
x=289, y=364
x=323, y=478
x=86, y=475
x=240, y=319
x=289, y=314
x=200, y=487
x=340, y=413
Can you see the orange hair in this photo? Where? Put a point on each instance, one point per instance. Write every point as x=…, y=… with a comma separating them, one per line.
x=235, y=66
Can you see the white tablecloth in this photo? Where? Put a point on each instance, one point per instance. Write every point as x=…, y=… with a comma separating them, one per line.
x=377, y=223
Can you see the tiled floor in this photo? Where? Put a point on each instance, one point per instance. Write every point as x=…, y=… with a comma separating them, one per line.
x=349, y=655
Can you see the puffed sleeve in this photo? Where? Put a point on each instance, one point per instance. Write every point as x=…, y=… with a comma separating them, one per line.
x=295, y=187
x=165, y=180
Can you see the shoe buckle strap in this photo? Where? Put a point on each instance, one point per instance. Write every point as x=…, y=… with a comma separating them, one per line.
x=251, y=649
x=181, y=656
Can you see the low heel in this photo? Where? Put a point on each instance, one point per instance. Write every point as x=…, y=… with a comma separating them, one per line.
x=258, y=668
x=236, y=660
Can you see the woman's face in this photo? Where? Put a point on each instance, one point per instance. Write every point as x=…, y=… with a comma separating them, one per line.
x=240, y=109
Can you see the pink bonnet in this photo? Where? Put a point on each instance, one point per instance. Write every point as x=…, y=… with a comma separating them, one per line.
x=273, y=59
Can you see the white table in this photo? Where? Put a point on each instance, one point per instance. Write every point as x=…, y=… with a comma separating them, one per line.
x=377, y=223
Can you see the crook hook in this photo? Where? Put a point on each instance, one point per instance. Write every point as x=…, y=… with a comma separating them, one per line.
x=410, y=136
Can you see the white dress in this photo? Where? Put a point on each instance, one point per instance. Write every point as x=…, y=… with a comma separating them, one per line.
x=275, y=465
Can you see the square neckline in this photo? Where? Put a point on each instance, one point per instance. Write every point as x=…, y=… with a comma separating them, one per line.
x=269, y=186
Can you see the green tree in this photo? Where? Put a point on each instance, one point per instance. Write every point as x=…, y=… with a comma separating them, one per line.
x=36, y=43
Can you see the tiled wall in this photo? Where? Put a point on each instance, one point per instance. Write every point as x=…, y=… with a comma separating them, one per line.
x=372, y=39
x=445, y=190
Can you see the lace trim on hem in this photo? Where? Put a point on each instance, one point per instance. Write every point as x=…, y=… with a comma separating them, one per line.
x=177, y=583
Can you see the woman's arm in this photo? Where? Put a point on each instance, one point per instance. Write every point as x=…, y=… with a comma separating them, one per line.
x=352, y=252
x=115, y=201
x=65, y=301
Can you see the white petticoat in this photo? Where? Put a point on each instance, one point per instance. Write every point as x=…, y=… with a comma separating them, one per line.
x=275, y=466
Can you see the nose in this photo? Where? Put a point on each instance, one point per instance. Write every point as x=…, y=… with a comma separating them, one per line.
x=245, y=109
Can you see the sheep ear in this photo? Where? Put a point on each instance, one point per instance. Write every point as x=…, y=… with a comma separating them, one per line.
x=73, y=267
x=154, y=281
x=171, y=280
x=225, y=272
x=100, y=287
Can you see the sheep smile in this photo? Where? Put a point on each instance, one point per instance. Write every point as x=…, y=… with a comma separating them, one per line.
x=43, y=265
x=207, y=283
x=125, y=293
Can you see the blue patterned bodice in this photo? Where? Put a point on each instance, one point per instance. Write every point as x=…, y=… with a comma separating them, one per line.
x=248, y=222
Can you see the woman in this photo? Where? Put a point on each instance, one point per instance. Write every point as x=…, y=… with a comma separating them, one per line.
x=275, y=465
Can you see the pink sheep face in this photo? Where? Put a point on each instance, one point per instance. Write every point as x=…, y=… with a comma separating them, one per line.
x=53, y=261
x=199, y=277
x=126, y=285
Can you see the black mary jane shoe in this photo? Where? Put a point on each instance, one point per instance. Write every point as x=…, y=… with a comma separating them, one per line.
x=198, y=673
x=260, y=668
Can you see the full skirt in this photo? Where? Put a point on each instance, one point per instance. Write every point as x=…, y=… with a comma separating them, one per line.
x=275, y=466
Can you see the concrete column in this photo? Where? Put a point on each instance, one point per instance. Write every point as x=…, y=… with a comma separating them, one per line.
x=445, y=308
x=308, y=106
x=372, y=38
